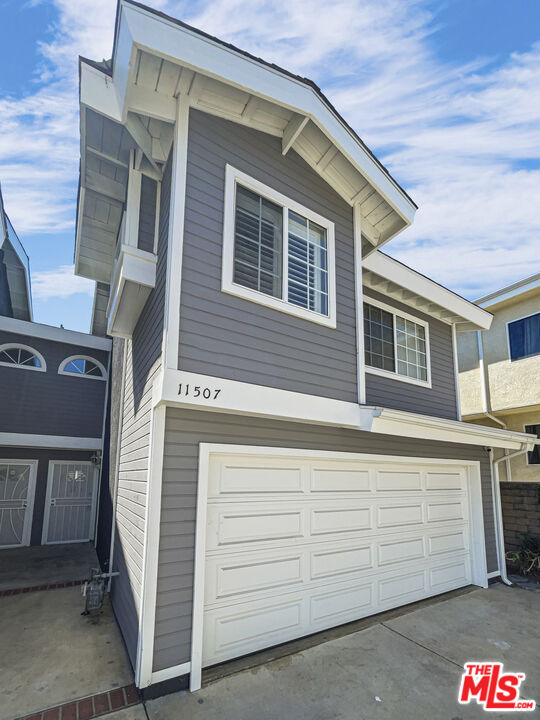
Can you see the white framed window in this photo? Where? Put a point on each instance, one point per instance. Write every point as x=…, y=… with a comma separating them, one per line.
x=277, y=252
x=396, y=344
x=22, y=356
x=83, y=366
x=523, y=336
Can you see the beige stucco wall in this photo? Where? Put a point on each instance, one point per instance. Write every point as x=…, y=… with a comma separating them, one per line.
x=470, y=381
x=519, y=470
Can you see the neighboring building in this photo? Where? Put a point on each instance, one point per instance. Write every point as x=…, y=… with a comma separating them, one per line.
x=53, y=393
x=15, y=296
x=499, y=370
x=284, y=407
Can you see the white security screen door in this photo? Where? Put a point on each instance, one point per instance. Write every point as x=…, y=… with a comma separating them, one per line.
x=17, y=485
x=70, y=504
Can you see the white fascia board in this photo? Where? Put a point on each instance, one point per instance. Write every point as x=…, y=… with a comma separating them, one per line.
x=98, y=92
x=179, y=389
x=49, y=441
x=164, y=38
x=411, y=280
x=401, y=423
x=510, y=292
x=49, y=332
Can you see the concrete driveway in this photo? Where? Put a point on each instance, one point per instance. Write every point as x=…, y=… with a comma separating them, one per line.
x=405, y=668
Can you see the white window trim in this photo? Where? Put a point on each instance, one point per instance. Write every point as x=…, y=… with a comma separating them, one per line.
x=7, y=346
x=395, y=375
x=234, y=177
x=69, y=359
x=508, y=323
x=525, y=425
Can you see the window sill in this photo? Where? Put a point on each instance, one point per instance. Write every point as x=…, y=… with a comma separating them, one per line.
x=399, y=378
x=277, y=304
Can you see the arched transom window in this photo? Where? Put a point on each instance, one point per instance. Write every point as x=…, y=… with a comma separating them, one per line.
x=83, y=366
x=21, y=356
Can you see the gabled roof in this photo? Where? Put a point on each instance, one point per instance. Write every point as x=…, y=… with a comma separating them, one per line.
x=133, y=99
x=527, y=287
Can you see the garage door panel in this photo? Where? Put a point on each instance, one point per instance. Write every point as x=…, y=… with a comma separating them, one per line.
x=297, y=544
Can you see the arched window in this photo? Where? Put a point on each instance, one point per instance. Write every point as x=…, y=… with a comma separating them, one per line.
x=83, y=366
x=22, y=356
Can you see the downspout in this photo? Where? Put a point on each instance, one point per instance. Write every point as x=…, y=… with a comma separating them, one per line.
x=505, y=450
x=499, y=530
x=117, y=463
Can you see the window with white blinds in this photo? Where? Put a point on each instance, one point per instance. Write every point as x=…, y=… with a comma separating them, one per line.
x=277, y=252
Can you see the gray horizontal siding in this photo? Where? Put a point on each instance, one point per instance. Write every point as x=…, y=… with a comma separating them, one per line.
x=147, y=214
x=46, y=403
x=234, y=338
x=440, y=399
x=185, y=429
x=143, y=362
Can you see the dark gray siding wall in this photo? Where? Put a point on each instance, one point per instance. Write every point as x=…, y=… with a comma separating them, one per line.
x=230, y=337
x=43, y=457
x=143, y=361
x=185, y=429
x=46, y=403
x=440, y=399
x=147, y=214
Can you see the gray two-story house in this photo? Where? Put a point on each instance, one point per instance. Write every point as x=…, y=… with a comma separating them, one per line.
x=288, y=449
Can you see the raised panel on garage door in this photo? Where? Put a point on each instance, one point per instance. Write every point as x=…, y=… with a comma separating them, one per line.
x=296, y=544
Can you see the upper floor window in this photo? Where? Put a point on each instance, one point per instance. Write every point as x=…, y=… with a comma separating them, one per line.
x=524, y=337
x=277, y=252
x=22, y=356
x=533, y=457
x=83, y=366
x=396, y=344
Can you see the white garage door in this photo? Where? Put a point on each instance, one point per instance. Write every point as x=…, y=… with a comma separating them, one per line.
x=296, y=545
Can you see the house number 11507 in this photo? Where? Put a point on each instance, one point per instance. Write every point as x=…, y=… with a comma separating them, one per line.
x=196, y=391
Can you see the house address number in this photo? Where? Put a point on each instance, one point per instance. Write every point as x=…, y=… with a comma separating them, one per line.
x=196, y=391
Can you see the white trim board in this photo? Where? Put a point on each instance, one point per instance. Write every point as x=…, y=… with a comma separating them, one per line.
x=242, y=398
x=49, y=441
x=477, y=535
x=48, y=332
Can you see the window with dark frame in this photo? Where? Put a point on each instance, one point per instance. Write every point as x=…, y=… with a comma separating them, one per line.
x=524, y=337
x=533, y=457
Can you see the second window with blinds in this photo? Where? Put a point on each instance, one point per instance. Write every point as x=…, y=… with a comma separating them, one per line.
x=277, y=252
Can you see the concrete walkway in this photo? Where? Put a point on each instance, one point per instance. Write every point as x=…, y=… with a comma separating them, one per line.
x=407, y=668
x=51, y=653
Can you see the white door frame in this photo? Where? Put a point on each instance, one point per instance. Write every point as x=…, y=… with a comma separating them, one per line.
x=476, y=522
x=29, y=515
x=47, y=512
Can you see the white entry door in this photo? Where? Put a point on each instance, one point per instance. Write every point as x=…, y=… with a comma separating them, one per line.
x=295, y=545
x=17, y=487
x=70, y=504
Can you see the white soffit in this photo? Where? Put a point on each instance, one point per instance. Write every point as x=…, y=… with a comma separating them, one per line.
x=384, y=274
x=156, y=59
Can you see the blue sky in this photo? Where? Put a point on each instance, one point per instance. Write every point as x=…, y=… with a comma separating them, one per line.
x=445, y=93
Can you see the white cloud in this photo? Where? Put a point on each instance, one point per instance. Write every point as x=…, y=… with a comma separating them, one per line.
x=455, y=135
x=59, y=283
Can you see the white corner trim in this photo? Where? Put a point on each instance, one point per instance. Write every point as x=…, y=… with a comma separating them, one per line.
x=456, y=371
x=171, y=321
x=477, y=554
x=169, y=673
x=41, y=368
x=359, y=304
x=413, y=318
x=417, y=283
x=495, y=573
x=204, y=392
x=152, y=527
x=49, y=441
x=234, y=177
x=66, y=361
x=48, y=332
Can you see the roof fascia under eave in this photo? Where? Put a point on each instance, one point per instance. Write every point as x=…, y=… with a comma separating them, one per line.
x=139, y=28
x=409, y=279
